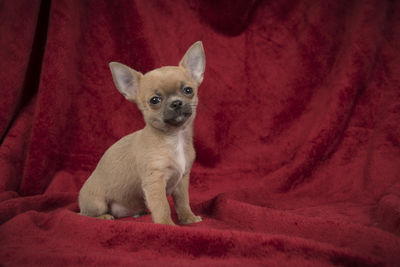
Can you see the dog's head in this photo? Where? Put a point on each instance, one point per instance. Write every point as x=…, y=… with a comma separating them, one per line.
x=166, y=96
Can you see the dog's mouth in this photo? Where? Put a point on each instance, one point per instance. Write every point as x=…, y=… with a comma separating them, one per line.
x=177, y=117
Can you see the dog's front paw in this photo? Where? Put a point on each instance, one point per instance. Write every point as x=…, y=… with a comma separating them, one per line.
x=190, y=219
x=106, y=217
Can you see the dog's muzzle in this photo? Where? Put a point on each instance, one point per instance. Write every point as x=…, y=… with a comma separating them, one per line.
x=176, y=113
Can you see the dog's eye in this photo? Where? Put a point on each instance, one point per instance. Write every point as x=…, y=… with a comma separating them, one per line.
x=155, y=100
x=187, y=90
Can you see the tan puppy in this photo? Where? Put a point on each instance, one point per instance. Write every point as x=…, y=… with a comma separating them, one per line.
x=142, y=168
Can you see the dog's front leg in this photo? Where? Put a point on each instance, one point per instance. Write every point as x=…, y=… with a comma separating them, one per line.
x=156, y=198
x=181, y=201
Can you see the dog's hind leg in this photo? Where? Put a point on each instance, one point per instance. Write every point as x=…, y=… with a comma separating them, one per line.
x=94, y=207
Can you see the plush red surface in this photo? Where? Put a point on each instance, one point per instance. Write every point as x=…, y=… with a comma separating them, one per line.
x=297, y=133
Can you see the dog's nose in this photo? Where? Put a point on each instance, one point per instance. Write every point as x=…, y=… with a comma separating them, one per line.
x=177, y=104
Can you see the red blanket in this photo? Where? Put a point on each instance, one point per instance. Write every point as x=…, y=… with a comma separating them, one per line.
x=297, y=133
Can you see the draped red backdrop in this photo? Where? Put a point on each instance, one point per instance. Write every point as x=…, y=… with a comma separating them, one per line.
x=297, y=133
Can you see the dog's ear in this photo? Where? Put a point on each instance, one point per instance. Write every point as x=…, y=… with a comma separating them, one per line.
x=194, y=61
x=126, y=80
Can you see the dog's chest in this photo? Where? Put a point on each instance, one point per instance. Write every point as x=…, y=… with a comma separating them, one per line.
x=178, y=154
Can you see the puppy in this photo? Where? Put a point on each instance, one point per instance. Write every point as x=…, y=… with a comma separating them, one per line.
x=143, y=168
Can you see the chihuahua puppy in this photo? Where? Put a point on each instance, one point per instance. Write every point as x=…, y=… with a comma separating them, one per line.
x=143, y=168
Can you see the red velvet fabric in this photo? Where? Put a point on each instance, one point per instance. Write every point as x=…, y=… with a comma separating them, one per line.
x=297, y=133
